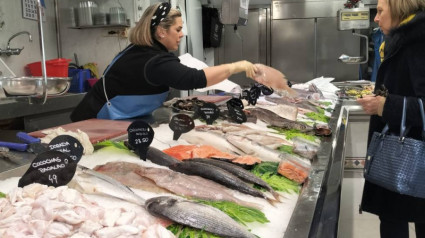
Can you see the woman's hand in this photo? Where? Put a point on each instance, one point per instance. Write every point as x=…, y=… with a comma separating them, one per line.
x=243, y=65
x=372, y=105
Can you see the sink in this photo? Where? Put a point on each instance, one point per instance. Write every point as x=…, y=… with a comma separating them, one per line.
x=33, y=86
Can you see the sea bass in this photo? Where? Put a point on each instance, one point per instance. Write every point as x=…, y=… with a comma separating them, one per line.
x=274, y=120
x=197, y=215
x=218, y=175
x=240, y=173
x=158, y=157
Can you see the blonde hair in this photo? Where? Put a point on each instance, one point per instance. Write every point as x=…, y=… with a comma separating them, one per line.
x=141, y=34
x=401, y=9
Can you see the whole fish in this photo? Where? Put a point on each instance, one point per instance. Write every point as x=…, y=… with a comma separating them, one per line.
x=159, y=157
x=218, y=175
x=240, y=173
x=178, y=210
x=274, y=120
x=124, y=172
x=285, y=101
x=170, y=181
x=91, y=182
x=205, y=138
x=305, y=148
x=253, y=148
x=197, y=215
x=282, y=110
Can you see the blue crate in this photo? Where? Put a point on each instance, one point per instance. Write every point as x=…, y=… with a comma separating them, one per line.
x=79, y=82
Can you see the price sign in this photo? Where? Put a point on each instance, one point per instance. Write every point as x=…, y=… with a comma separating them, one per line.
x=209, y=112
x=68, y=145
x=51, y=168
x=235, y=102
x=181, y=123
x=140, y=136
x=236, y=114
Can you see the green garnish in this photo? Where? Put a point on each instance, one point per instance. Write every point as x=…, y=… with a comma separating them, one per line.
x=2, y=195
x=181, y=231
x=289, y=134
x=318, y=116
x=239, y=213
x=326, y=104
x=109, y=143
x=268, y=172
x=286, y=148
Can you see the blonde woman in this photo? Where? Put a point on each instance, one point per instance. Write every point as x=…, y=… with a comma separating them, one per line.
x=137, y=81
x=401, y=74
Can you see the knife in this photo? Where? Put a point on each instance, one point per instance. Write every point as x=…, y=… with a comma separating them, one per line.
x=34, y=144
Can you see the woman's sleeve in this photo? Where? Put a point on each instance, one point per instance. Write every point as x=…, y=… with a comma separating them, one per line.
x=166, y=69
x=394, y=103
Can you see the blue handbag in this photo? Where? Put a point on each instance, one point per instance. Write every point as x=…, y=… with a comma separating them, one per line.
x=397, y=163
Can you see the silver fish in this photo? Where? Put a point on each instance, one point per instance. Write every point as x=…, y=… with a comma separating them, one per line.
x=253, y=148
x=240, y=173
x=158, y=157
x=305, y=148
x=197, y=215
x=274, y=120
x=218, y=175
x=89, y=181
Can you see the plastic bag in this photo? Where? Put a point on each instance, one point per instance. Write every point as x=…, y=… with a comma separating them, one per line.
x=273, y=78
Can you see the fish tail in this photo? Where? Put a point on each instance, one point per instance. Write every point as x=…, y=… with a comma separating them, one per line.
x=276, y=195
x=271, y=201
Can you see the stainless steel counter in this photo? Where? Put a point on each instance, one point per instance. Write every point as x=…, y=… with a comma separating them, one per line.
x=317, y=211
x=13, y=107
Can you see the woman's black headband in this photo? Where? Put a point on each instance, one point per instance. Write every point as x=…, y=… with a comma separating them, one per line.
x=160, y=14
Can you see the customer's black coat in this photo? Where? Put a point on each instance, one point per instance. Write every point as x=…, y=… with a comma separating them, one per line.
x=403, y=74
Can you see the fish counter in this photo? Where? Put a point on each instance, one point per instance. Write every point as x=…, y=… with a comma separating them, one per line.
x=313, y=212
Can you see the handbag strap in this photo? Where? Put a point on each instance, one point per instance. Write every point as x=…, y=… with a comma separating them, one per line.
x=421, y=108
x=403, y=131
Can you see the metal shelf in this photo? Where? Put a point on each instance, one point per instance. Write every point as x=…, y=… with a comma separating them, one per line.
x=99, y=26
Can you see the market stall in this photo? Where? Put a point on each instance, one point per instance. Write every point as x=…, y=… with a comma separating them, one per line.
x=313, y=209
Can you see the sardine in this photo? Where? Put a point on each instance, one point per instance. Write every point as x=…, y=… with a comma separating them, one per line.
x=274, y=120
x=159, y=157
x=218, y=175
x=240, y=173
x=197, y=215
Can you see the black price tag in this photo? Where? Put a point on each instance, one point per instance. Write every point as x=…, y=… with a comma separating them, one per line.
x=236, y=114
x=209, y=112
x=51, y=168
x=181, y=123
x=68, y=145
x=235, y=102
x=140, y=136
x=254, y=94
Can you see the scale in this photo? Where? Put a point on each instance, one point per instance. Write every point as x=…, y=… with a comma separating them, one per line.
x=354, y=19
